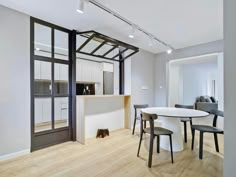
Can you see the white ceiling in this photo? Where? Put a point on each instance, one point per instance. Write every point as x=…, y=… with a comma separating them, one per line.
x=180, y=23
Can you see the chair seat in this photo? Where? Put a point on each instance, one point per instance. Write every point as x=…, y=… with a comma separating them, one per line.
x=159, y=131
x=185, y=119
x=207, y=128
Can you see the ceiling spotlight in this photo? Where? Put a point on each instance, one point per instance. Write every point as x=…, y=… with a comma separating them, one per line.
x=80, y=6
x=131, y=35
x=169, y=51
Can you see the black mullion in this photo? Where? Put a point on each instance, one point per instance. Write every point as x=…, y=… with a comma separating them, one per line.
x=32, y=98
x=72, y=81
x=61, y=61
x=129, y=55
x=52, y=76
x=42, y=95
x=121, y=75
x=42, y=58
x=61, y=95
x=120, y=53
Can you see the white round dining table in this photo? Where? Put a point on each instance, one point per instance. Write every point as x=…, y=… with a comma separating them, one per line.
x=170, y=119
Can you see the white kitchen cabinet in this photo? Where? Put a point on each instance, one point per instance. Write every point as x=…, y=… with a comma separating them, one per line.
x=56, y=72
x=38, y=110
x=61, y=109
x=37, y=69
x=79, y=71
x=89, y=71
x=46, y=111
x=61, y=72
x=64, y=72
x=45, y=71
x=42, y=110
x=42, y=70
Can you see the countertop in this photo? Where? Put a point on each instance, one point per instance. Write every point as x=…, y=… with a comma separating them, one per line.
x=100, y=96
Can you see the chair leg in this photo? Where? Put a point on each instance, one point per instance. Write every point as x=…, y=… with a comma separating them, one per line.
x=145, y=124
x=193, y=136
x=140, y=142
x=185, y=132
x=171, y=149
x=150, y=151
x=201, y=145
x=216, y=142
x=158, y=144
x=134, y=125
x=191, y=123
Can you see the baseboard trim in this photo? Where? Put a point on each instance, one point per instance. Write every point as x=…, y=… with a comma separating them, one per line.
x=14, y=155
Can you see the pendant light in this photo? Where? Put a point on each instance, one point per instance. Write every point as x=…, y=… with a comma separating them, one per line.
x=80, y=6
x=131, y=35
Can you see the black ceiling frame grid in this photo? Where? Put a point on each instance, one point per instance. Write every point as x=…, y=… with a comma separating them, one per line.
x=116, y=44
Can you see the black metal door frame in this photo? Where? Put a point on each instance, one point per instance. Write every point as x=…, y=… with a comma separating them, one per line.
x=50, y=137
x=54, y=136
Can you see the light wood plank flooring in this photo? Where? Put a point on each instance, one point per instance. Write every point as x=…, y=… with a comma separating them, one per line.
x=115, y=156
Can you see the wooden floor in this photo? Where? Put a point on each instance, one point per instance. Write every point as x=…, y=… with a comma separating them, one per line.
x=115, y=156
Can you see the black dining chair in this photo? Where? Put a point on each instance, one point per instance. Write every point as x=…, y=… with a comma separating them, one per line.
x=154, y=132
x=136, y=108
x=208, y=129
x=185, y=120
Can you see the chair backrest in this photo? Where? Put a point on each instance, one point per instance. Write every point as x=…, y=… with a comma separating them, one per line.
x=184, y=106
x=139, y=106
x=216, y=113
x=148, y=117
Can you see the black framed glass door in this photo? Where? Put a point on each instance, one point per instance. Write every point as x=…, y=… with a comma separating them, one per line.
x=51, y=84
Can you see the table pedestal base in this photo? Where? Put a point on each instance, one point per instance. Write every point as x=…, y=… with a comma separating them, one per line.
x=174, y=125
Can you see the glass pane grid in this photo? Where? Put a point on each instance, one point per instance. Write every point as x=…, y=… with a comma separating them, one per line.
x=43, y=93
x=61, y=108
x=61, y=49
x=42, y=114
x=42, y=40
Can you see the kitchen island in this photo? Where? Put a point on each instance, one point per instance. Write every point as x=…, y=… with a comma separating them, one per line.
x=100, y=112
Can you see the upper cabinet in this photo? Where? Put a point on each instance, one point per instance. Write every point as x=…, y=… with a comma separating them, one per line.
x=42, y=70
x=89, y=71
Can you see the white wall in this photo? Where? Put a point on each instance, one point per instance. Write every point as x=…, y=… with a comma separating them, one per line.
x=230, y=87
x=142, y=79
x=189, y=80
x=197, y=81
x=175, y=85
x=15, y=83
x=161, y=66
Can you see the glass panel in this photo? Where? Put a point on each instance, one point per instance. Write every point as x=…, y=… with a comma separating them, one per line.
x=61, y=112
x=61, y=77
x=128, y=52
x=93, y=44
x=42, y=40
x=42, y=77
x=113, y=53
x=105, y=48
x=61, y=45
x=42, y=114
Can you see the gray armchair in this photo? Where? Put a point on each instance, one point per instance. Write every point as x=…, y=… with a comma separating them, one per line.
x=206, y=103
